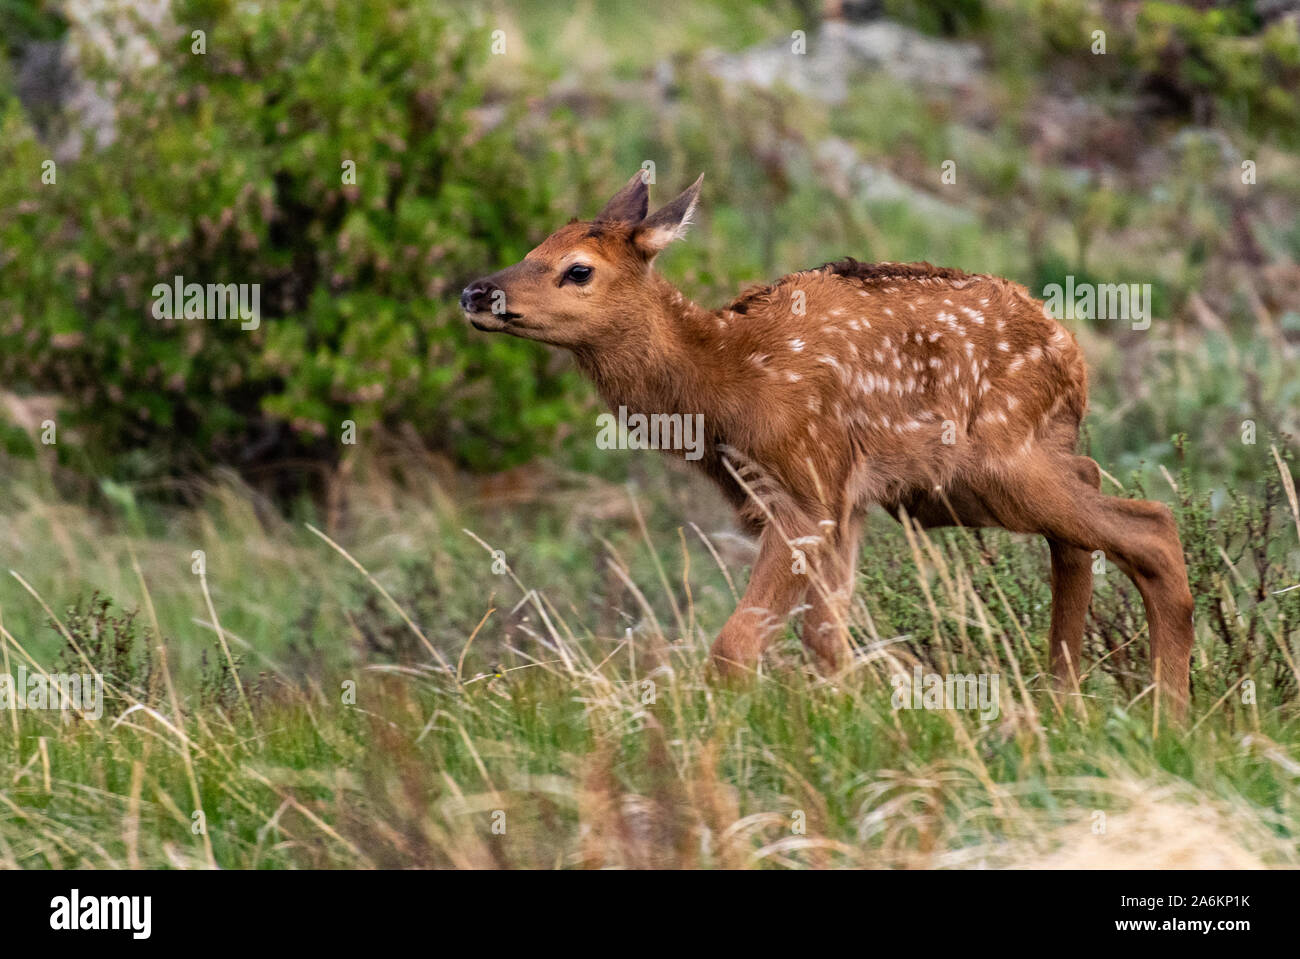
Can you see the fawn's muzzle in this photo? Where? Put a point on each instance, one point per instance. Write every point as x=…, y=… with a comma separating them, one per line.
x=478, y=296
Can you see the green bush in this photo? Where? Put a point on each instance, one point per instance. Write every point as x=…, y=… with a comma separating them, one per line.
x=1221, y=65
x=1224, y=57
x=228, y=167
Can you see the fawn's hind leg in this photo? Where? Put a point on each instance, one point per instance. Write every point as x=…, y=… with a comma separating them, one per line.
x=825, y=625
x=1071, y=594
x=1071, y=566
x=1045, y=494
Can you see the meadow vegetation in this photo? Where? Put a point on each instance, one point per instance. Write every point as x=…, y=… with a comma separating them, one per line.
x=474, y=639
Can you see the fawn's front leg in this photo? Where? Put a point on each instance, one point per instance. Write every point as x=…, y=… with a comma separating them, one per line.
x=776, y=586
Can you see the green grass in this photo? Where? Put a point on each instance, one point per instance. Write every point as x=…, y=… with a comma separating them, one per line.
x=578, y=717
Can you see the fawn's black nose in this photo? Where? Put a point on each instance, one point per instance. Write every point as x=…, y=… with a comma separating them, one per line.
x=477, y=297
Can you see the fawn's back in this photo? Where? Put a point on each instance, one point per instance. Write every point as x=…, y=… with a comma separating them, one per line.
x=903, y=375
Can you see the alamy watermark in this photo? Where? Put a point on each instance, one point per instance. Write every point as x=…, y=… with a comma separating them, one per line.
x=655, y=431
x=209, y=301
x=75, y=912
x=918, y=690
x=1100, y=301
x=82, y=692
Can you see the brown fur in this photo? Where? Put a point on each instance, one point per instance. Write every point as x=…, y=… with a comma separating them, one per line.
x=953, y=397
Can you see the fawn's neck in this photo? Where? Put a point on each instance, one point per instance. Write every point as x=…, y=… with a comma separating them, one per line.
x=665, y=360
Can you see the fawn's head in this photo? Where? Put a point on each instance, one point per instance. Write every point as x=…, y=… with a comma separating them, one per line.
x=587, y=281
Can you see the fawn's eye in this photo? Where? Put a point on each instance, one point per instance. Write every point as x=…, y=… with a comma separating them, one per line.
x=578, y=273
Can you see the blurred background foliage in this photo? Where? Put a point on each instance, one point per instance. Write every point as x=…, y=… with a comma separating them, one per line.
x=229, y=167
x=1122, y=166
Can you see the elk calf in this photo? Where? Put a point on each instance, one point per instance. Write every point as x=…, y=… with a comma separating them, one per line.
x=952, y=397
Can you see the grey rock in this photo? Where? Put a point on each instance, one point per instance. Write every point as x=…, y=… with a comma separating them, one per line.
x=838, y=50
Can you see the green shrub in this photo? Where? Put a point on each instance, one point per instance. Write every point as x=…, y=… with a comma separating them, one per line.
x=948, y=17
x=228, y=167
x=1219, y=66
x=1222, y=56
x=25, y=20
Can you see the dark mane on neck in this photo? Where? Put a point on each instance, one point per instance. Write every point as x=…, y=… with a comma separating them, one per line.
x=872, y=274
x=890, y=272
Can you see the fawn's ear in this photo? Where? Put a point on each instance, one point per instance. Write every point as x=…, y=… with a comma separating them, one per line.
x=669, y=222
x=628, y=205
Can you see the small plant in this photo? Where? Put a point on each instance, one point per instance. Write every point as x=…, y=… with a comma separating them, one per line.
x=1240, y=571
x=112, y=642
x=218, y=681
